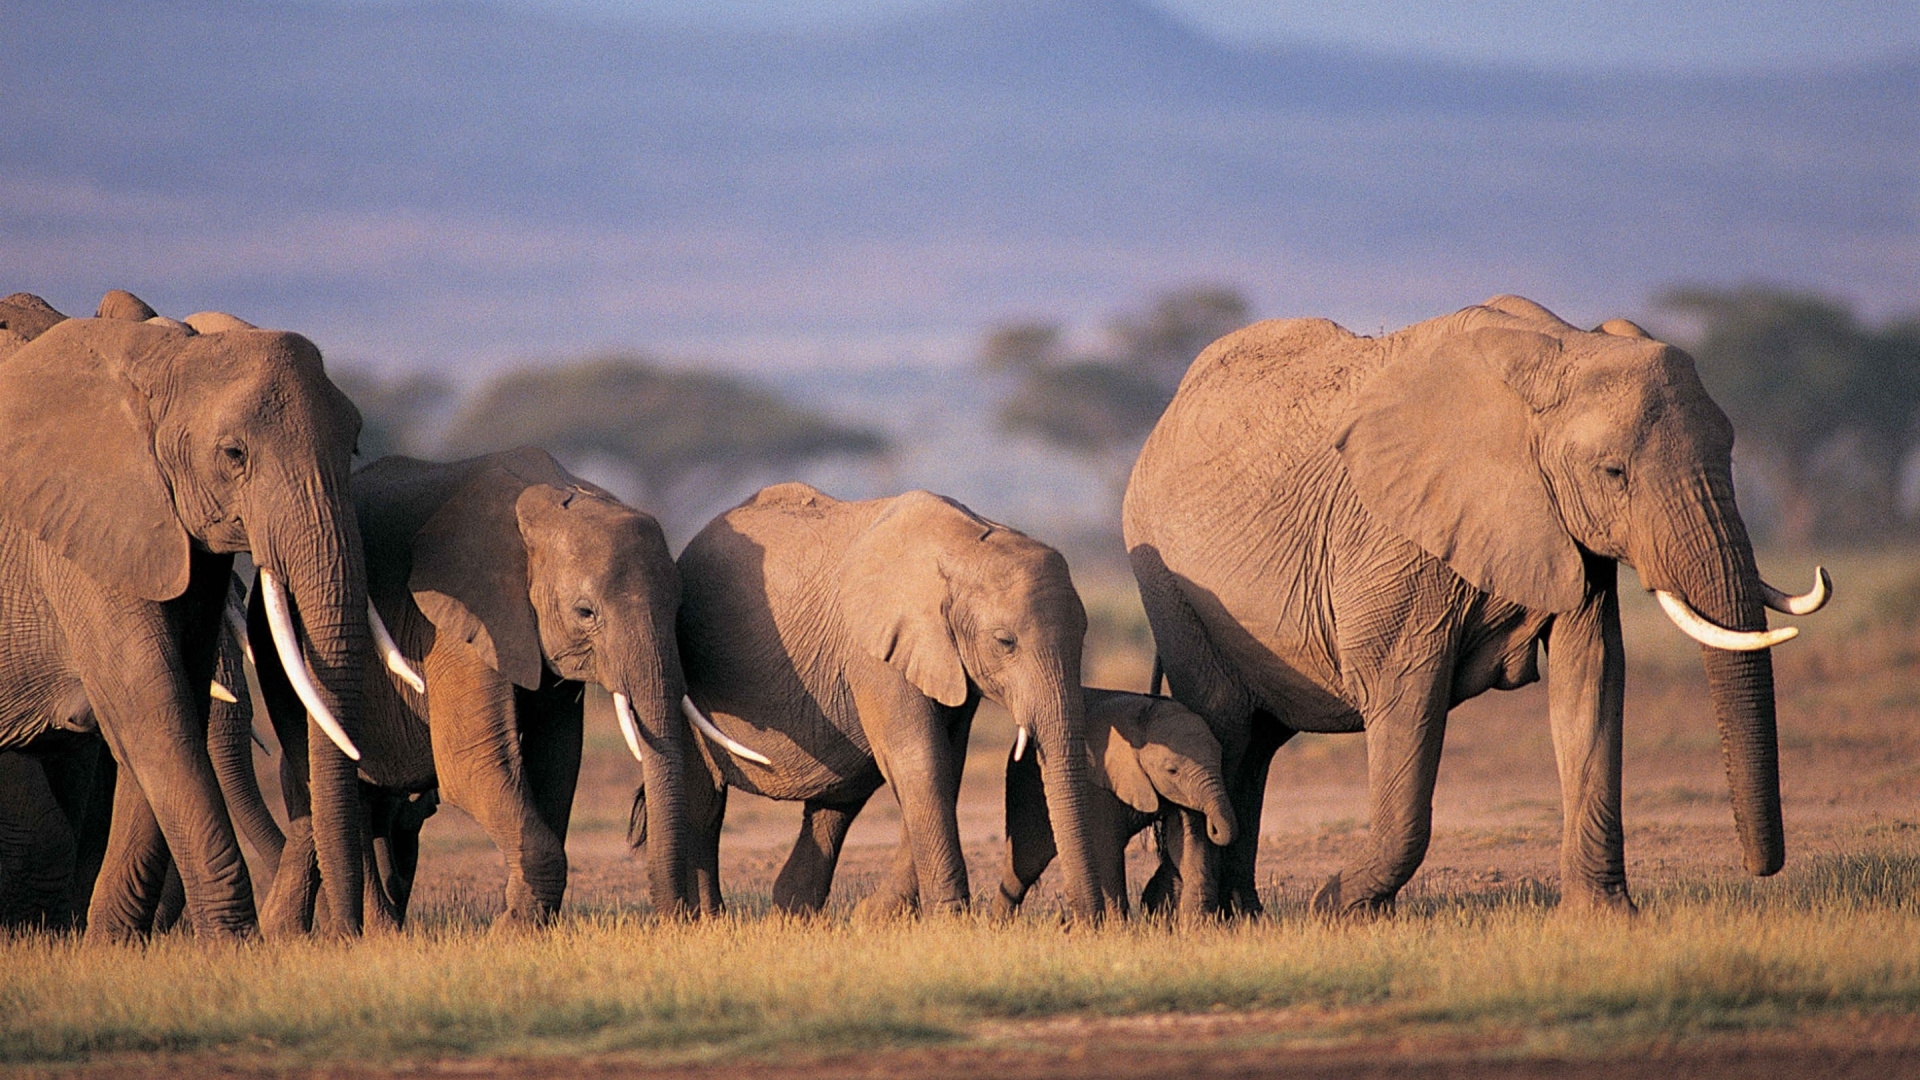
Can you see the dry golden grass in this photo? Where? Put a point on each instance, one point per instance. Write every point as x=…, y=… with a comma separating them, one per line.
x=1839, y=935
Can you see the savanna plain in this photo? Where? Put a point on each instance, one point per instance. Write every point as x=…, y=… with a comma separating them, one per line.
x=1815, y=972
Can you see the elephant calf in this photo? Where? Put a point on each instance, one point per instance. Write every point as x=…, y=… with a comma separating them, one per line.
x=1157, y=761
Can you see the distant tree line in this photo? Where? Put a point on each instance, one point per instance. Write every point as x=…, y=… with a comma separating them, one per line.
x=1100, y=402
x=1825, y=409
x=678, y=435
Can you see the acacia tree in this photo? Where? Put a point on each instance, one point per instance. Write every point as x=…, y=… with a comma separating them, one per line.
x=1101, y=404
x=1825, y=405
x=685, y=437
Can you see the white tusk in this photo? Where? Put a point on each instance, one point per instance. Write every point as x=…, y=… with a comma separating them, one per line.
x=623, y=709
x=1801, y=605
x=286, y=643
x=221, y=693
x=706, y=728
x=1706, y=633
x=239, y=630
x=1020, y=742
x=390, y=650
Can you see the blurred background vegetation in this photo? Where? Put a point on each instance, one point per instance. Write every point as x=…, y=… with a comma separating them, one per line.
x=1826, y=406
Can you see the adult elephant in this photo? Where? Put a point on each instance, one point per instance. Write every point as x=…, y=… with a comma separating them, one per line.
x=1341, y=533
x=508, y=584
x=839, y=644
x=136, y=458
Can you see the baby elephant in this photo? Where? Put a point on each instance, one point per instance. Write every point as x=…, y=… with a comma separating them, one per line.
x=1155, y=760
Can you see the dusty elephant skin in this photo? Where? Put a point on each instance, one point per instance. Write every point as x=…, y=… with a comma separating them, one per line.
x=849, y=643
x=1156, y=763
x=1341, y=533
x=508, y=583
x=137, y=456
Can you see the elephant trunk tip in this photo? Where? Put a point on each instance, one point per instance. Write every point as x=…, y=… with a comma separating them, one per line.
x=1220, y=827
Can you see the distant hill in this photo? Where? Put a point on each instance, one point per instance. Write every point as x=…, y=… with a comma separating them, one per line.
x=463, y=183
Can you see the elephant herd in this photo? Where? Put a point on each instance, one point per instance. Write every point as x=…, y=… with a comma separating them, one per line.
x=1331, y=533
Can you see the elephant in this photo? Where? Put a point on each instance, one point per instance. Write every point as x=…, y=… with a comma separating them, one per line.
x=1154, y=761
x=1337, y=533
x=832, y=646
x=137, y=457
x=508, y=583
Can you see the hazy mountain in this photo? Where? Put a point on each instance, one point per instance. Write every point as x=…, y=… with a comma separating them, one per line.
x=465, y=181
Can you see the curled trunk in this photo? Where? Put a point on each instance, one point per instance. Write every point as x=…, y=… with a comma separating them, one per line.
x=230, y=745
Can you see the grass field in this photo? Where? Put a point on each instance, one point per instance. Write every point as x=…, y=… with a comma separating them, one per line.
x=1474, y=963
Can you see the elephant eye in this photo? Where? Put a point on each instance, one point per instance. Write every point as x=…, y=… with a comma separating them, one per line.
x=1613, y=470
x=1005, y=638
x=583, y=612
x=233, y=454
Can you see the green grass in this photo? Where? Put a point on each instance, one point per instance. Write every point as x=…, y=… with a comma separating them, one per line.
x=1840, y=935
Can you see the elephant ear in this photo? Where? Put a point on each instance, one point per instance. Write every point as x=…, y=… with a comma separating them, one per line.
x=1114, y=738
x=77, y=466
x=894, y=595
x=470, y=574
x=1440, y=448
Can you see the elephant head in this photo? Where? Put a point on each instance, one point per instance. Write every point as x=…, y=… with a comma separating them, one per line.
x=541, y=572
x=130, y=444
x=1515, y=447
x=1146, y=749
x=957, y=603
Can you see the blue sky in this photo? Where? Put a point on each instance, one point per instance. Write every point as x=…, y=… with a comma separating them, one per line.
x=1717, y=35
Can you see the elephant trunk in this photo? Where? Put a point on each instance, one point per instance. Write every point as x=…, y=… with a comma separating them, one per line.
x=666, y=750
x=230, y=745
x=1221, y=824
x=322, y=565
x=1714, y=571
x=1059, y=727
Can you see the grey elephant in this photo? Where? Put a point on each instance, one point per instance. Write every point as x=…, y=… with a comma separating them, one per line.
x=838, y=645
x=137, y=456
x=1155, y=762
x=508, y=583
x=1337, y=533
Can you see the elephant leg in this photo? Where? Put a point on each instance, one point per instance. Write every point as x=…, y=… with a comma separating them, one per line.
x=1030, y=845
x=899, y=892
x=377, y=872
x=37, y=845
x=291, y=905
x=1237, y=890
x=807, y=877
x=1200, y=867
x=914, y=743
x=173, y=900
x=1586, y=681
x=1161, y=893
x=477, y=753
x=148, y=685
x=132, y=872
x=1403, y=758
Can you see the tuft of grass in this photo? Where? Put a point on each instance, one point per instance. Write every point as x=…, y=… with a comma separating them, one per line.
x=1839, y=933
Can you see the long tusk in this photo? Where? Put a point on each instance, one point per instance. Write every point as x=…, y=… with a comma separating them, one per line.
x=221, y=693
x=1020, y=742
x=1692, y=624
x=286, y=643
x=706, y=728
x=1805, y=604
x=390, y=650
x=239, y=631
x=623, y=709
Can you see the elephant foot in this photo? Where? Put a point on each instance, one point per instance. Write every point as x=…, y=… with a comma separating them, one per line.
x=883, y=907
x=1332, y=901
x=1578, y=903
x=1242, y=902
